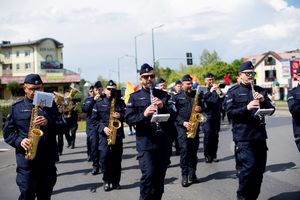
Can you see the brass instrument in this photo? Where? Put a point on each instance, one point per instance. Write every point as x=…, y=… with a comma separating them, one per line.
x=34, y=135
x=195, y=118
x=218, y=90
x=69, y=105
x=114, y=124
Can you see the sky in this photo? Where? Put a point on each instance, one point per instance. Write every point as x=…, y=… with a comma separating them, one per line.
x=99, y=36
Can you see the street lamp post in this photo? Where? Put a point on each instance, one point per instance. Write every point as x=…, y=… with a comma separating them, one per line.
x=136, y=58
x=153, y=47
x=119, y=79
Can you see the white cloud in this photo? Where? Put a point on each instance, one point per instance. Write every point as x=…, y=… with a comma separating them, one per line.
x=96, y=33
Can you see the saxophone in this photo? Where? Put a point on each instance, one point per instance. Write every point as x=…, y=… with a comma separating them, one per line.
x=195, y=118
x=114, y=124
x=34, y=135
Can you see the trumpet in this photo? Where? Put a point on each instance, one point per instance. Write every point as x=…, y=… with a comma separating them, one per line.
x=218, y=90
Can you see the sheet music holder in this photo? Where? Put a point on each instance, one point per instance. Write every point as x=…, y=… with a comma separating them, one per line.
x=264, y=112
x=43, y=99
x=157, y=118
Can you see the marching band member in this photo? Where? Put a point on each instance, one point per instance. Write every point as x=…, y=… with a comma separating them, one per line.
x=36, y=177
x=213, y=99
x=106, y=111
x=188, y=146
x=153, y=146
x=294, y=107
x=249, y=131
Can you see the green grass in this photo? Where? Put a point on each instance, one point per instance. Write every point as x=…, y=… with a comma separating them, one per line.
x=281, y=104
x=81, y=126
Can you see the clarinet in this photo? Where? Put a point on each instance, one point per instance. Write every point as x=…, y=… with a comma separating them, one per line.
x=158, y=128
x=261, y=117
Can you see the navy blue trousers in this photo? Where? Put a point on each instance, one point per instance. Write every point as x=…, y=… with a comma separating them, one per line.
x=211, y=130
x=188, y=154
x=153, y=165
x=36, y=181
x=251, y=158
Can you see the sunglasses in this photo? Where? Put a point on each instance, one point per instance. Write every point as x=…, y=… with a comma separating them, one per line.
x=152, y=76
x=249, y=73
x=110, y=89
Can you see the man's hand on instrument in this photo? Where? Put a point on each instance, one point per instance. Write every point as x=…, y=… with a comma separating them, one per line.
x=157, y=102
x=40, y=121
x=254, y=104
x=197, y=109
x=25, y=143
x=116, y=115
x=258, y=96
x=150, y=110
x=187, y=125
x=107, y=131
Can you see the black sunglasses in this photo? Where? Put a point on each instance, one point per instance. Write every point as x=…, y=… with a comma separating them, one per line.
x=249, y=73
x=152, y=76
x=110, y=89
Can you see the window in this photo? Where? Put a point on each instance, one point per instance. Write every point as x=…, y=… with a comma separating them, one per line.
x=270, y=75
x=253, y=60
x=61, y=55
x=18, y=66
x=27, y=65
x=270, y=61
x=7, y=54
x=17, y=53
x=27, y=53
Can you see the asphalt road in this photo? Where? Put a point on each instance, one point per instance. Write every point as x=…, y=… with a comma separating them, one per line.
x=217, y=181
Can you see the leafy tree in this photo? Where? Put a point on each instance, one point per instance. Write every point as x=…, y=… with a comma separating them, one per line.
x=13, y=87
x=103, y=80
x=207, y=58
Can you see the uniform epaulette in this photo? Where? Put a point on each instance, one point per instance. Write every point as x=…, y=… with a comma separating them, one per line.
x=18, y=101
x=233, y=87
x=135, y=92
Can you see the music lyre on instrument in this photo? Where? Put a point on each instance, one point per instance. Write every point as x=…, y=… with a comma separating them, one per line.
x=157, y=118
x=40, y=100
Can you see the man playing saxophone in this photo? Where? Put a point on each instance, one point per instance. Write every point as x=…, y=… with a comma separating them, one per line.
x=107, y=111
x=184, y=102
x=213, y=99
x=36, y=177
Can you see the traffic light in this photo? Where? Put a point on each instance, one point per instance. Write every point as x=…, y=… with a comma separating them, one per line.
x=189, y=58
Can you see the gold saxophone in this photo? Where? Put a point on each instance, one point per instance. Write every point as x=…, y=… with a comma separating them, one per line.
x=34, y=135
x=114, y=124
x=195, y=118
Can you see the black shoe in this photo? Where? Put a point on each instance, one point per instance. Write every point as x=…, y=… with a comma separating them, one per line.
x=73, y=146
x=116, y=186
x=185, y=182
x=215, y=160
x=208, y=159
x=69, y=145
x=106, y=186
x=95, y=171
x=193, y=179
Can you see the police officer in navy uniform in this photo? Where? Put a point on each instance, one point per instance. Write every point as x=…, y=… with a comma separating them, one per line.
x=37, y=177
x=71, y=117
x=110, y=155
x=293, y=100
x=162, y=84
x=153, y=142
x=188, y=146
x=213, y=99
x=249, y=131
x=93, y=137
x=87, y=108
